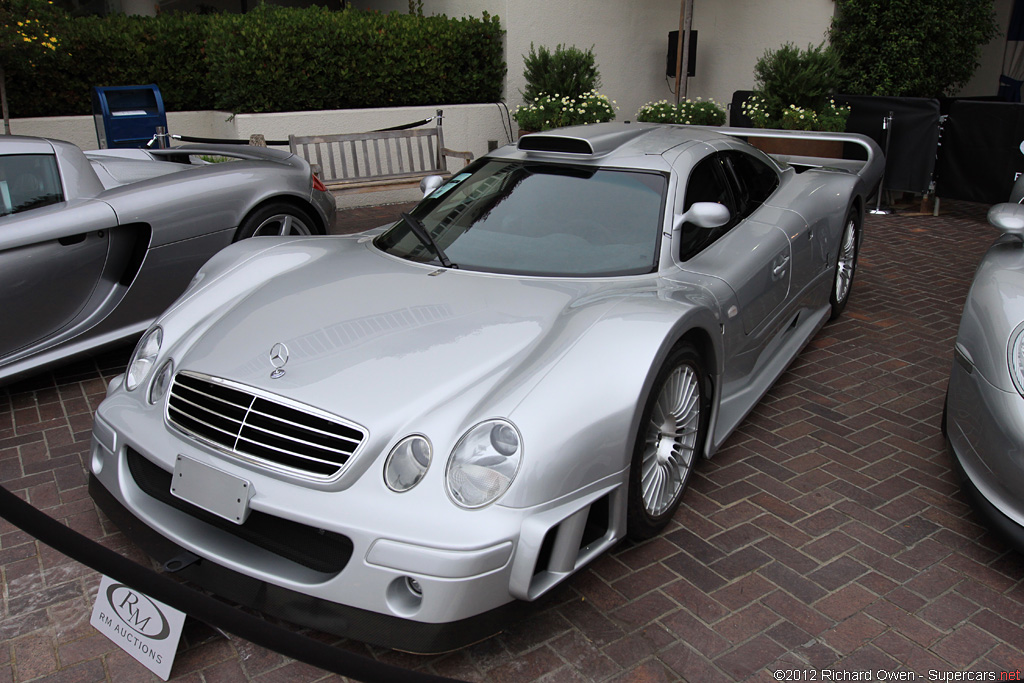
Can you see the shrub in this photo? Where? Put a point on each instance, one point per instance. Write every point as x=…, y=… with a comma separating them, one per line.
x=791, y=76
x=754, y=108
x=697, y=112
x=569, y=71
x=552, y=111
x=270, y=59
x=909, y=48
x=30, y=34
x=794, y=90
x=832, y=117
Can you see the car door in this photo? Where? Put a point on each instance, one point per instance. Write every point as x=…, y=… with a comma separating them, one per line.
x=52, y=251
x=756, y=182
x=753, y=257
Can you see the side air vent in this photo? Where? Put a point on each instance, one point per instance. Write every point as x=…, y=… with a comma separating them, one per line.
x=554, y=143
x=575, y=540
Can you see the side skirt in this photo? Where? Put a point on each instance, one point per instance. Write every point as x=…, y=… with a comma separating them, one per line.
x=782, y=351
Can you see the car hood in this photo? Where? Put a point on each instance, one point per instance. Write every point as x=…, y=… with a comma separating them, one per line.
x=370, y=336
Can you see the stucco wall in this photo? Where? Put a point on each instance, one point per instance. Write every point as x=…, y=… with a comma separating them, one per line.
x=630, y=39
x=985, y=81
x=467, y=127
x=81, y=130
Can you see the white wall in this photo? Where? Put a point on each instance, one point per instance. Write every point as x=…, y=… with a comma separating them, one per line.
x=466, y=127
x=630, y=39
x=986, y=79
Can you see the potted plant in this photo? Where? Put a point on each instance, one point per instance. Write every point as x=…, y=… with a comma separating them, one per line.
x=561, y=90
x=697, y=112
x=555, y=111
x=795, y=91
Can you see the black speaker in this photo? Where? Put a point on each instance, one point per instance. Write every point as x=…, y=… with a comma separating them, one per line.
x=670, y=62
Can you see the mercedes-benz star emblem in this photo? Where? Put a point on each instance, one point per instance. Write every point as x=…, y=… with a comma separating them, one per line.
x=278, y=358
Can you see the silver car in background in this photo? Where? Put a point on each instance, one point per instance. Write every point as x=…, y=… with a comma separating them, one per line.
x=984, y=412
x=402, y=435
x=94, y=245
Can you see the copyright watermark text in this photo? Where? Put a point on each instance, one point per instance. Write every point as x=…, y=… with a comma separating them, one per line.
x=887, y=675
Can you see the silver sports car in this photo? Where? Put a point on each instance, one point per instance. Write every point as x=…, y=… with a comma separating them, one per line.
x=401, y=435
x=93, y=246
x=984, y=416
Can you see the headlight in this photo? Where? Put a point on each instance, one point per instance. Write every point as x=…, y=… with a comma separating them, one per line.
x=160, y=383
x=484, y=463
x=1016, y=358
x=407, y=463
x=143, y=358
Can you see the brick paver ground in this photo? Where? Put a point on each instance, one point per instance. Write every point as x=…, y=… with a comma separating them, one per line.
x=828, y=535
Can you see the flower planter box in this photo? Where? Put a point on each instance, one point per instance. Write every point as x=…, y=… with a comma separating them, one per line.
x=829, y=149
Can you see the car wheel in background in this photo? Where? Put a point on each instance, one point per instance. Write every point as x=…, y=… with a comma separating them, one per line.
x=846, y=264
x=278, y=218
x=670, y=439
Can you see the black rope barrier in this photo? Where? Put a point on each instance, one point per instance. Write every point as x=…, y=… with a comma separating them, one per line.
x=217, y=141
x=404, y=126
x=199, y=605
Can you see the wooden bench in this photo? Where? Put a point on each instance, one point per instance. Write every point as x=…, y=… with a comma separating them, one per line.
x=387, y=159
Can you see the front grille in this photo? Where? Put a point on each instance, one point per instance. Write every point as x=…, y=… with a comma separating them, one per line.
x=257, y=425
x=322, y=551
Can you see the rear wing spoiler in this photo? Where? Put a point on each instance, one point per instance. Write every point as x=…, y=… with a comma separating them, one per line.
x=869, y=169
x=247, y=152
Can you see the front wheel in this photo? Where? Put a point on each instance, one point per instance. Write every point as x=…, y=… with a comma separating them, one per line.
x=278, y=218
x=846, y=264
x=673, y=427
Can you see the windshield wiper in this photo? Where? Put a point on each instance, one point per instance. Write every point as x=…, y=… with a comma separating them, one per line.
x=423, y=236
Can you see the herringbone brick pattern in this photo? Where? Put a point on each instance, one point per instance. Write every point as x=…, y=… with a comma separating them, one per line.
x=829, y=534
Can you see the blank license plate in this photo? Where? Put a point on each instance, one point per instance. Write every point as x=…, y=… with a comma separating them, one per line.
x=213, y=490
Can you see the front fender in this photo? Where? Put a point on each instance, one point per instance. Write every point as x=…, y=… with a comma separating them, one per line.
x=992, y=312
x=597, y=391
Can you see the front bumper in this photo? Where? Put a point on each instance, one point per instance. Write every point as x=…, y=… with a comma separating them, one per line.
x=985, y=428
x=298, y=608
x=422, y=579
x=327, y=207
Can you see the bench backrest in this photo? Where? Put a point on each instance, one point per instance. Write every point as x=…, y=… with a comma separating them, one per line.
x=379, y=156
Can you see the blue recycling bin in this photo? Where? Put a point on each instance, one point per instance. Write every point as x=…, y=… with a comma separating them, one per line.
x=127, y=115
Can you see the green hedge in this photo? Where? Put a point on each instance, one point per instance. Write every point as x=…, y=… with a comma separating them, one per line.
x=270, y=59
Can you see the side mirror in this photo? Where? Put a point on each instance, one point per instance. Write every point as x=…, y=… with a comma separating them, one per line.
x=704, y=215
x=430, y=183
x=1008, y=219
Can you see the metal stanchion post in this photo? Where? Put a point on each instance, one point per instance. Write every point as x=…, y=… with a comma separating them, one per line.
x=887, y=127
x=161, y=138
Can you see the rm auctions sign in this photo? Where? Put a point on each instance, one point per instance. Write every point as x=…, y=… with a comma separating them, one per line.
x=144, y=628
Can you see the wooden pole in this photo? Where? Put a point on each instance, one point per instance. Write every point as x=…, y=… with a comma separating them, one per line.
x=683, y=48
x=3, y=101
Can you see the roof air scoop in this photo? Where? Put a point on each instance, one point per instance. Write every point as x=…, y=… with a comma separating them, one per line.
x=594, y=140
x=538, y=142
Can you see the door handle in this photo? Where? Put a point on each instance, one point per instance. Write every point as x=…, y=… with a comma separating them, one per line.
x=780, y=268
x=72, y=239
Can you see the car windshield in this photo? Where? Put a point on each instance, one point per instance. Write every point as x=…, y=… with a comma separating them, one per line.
x=538, y=219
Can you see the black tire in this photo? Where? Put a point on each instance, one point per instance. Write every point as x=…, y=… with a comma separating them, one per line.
x=664, y=455
x=278, y=218
x=846, y=263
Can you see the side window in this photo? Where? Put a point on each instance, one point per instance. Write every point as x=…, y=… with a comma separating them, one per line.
x=706, y=183
x=28, y=181
x=753, y=180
